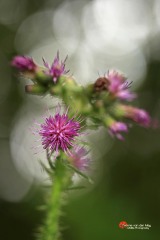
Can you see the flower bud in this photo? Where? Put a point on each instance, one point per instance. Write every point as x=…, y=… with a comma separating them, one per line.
x=138, y=115
x=35, y=89
x=41, y=77
x=115, y=128
x=101, y=84
x=24, y=63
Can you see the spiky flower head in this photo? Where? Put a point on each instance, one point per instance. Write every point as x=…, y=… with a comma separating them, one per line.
x=23, y=63
x=56, y=69
x=79, y=158
x=58, y=132
x=118, y=86
x=116, y=128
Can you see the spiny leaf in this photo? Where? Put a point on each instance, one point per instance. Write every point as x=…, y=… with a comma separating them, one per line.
x=49, y=160
x=46, y=169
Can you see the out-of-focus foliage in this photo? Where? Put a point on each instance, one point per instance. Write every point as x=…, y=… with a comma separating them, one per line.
x=96, y=35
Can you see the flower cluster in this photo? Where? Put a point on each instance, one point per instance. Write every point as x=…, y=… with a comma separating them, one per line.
x=24, y=63
x=104, y=102
x=114, y=90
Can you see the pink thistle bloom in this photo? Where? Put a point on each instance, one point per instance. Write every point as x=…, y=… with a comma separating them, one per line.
x=138, y=115
x=118, y=86
x=79, y=158
x=56, y=69
x=23, y=63
x=58, y=132
x=116, y=128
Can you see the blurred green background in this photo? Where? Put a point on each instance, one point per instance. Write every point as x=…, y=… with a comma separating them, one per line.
x=97, y=35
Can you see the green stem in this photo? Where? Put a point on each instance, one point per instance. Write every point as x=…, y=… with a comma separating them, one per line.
x=61, y=179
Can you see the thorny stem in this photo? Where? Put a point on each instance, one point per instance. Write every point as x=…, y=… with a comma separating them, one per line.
x=61, y=180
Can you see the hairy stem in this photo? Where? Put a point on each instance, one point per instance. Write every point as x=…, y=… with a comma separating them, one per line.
x=61, y=179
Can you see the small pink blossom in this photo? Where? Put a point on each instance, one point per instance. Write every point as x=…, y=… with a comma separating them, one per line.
x=116, y=128
x=118, y=86
x=79, y=158
x=56, y=69
x=23, y=63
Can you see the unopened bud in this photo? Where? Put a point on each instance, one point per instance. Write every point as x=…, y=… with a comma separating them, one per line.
x=138, y=115
x=35, y=89
x=41, y=76
x=24, y=63
x=101, y=84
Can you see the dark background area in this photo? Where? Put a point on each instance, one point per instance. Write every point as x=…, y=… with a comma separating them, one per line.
x=128, y=182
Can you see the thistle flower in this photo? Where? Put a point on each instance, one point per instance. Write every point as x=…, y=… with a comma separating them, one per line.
x=79, y=158
x=116, y=128
x=58, y=132
x=56, y=69
x=23, y=63
x=118, y=86
x=138, y=115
